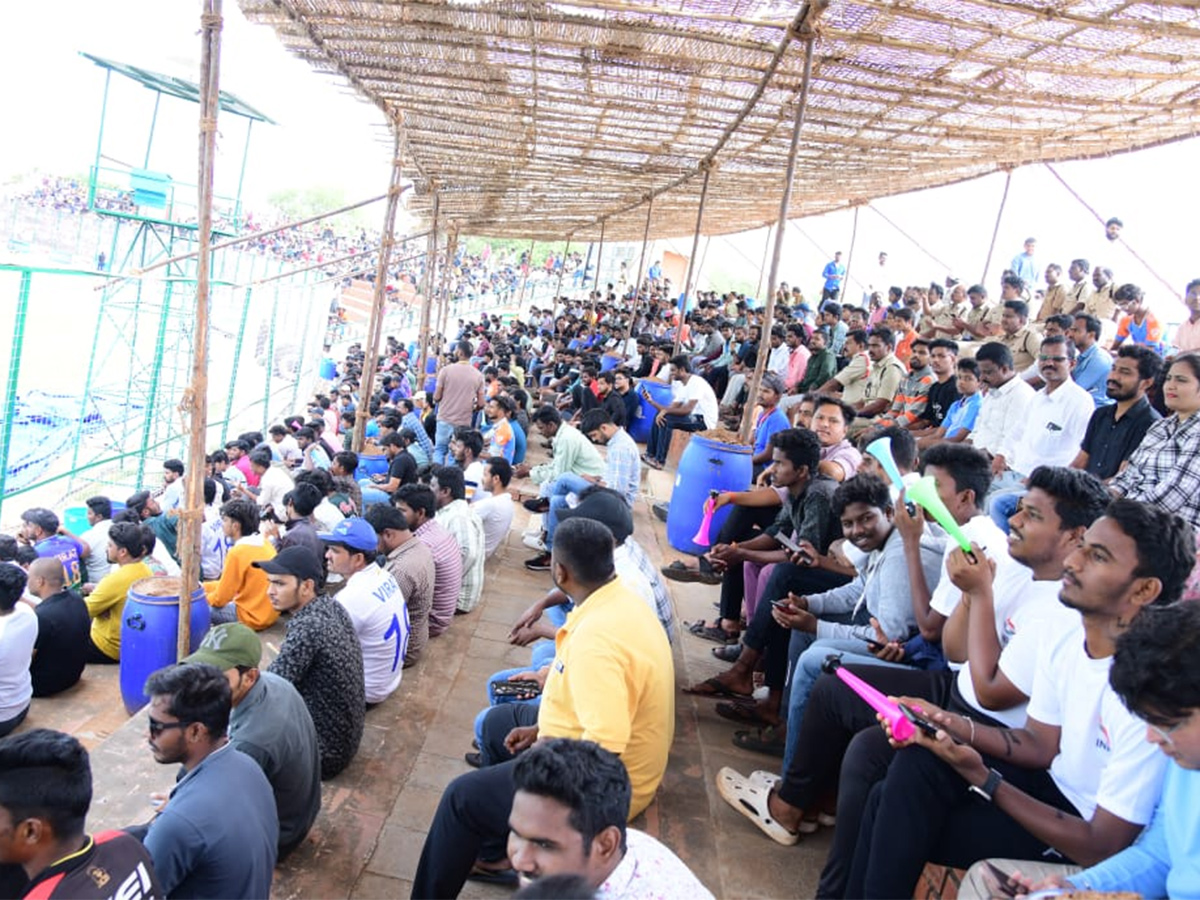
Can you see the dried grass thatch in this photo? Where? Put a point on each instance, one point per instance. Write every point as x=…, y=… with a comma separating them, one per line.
x=540, y=119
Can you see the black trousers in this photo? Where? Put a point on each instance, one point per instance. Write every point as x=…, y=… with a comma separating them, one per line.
x=766, y=635
x=718, y=378
x=742, y=523
x=923, y=812
x=499, y=721
x=471, y=823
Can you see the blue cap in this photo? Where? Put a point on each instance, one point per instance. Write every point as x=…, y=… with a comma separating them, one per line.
x=355, y=532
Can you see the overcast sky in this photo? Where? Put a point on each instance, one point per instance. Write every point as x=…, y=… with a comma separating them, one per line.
x=327, y=137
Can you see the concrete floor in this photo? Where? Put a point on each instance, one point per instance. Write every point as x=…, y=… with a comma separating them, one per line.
x=368, y=837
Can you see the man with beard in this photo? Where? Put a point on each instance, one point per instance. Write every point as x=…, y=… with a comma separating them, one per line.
x=1114, y=431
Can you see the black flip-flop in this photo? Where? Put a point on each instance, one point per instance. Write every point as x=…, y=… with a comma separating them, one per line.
x=715, y=689
x=743, y=713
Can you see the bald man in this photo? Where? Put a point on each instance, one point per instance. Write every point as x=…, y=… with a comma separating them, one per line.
x=63, y=625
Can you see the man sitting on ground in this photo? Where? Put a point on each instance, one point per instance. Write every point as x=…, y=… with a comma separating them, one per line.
x=572, y=453
x=493, y=503
x=402, y=469
x=18, y=635
x=419, y=505
x=60, y=653
x=39, y=529
x=106, y=603
x=271, y=725
x=222, y=796
x=374, y=602
x=456, y=516
x=240, y=595
x=411, y=564
x=320, y=655
x=693, y=408
x=613, y=680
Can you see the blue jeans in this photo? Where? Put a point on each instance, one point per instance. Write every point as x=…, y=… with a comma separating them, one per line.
x=441, y=442
x=660, y=435
x=563, y=485
x=541, y=655
x=807, y=669
x=372, y=494
x=1002, y=505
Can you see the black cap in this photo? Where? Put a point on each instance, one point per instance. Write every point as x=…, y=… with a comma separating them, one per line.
x=298, y=561
x=606, y=507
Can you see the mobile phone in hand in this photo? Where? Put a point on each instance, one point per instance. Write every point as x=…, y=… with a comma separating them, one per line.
x=1003, y=879
x=874, y=646
x=924, y=724
x=787, y=541
x=782, y=604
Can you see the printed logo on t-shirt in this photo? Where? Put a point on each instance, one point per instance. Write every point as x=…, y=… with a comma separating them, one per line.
x=1104, y=741
x=1010, y=628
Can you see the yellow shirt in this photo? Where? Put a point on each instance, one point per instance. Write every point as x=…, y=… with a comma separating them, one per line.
x=245, y=585
x=613, y=682
x=106, y=603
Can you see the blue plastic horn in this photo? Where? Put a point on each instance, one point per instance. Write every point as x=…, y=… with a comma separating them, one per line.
x=881, y=449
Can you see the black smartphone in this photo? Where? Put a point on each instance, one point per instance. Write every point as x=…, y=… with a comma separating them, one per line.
x=1003, y=879
x=517, y=689
x=781, y=604
x=874, y=646
x=924, y=724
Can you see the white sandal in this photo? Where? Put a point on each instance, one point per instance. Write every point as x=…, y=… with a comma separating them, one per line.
x=749, y=797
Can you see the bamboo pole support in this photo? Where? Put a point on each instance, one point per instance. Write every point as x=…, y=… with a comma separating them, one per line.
x=692, y=267
x=525, y=279
x=764, y=345
x=637, y=285
x=194, y=403
x=427, y=290
x=849, y=258
x=599, y=256
x=444, y=319
x=375, y=324
x=762, y=267
x=558, y=287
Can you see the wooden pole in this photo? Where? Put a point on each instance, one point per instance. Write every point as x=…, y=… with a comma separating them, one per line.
x=525, y=279
x=558, y=287
x=444, y=320
x=427, y=303
x=637, y=286
x=849, y=257
x=599, y=255
x=195, y=399
x=762, y=269
x=375, y=324
x=692, y=267
x=996, y=230
x=764, y=345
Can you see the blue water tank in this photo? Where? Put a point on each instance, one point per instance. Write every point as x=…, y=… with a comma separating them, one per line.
x=706, y=465
x=639, y=428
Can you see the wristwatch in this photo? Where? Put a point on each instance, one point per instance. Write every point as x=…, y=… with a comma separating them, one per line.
x=987, y=790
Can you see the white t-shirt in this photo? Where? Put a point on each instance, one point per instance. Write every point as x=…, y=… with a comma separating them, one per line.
x=380, y=616
x=706, y=401
x=1025, y=613
x=1103, y=757
x=97, y=562
x=495, y=511
x=18, y=633
x=286, y=450
x=327, y=515
x=272, y=487
x=983, y=531
x=472, y=478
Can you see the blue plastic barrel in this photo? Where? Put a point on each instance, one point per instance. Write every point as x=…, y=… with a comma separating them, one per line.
x=639, y=430
x=705, y=465
x=149, y=630
x=328, y=369
x=370, y=465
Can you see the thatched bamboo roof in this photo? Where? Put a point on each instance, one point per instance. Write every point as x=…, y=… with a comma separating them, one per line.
x=540, y=119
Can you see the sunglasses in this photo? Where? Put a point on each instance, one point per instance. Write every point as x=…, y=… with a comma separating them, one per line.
x=156, y=727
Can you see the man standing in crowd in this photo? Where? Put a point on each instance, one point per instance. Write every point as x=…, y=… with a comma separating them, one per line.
x=458, y=395
x=833, y=273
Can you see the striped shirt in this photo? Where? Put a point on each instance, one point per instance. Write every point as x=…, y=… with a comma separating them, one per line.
x=908, y=404
x=447, y=574
x=623, y=467
x=460, y=520
x=631, y=560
